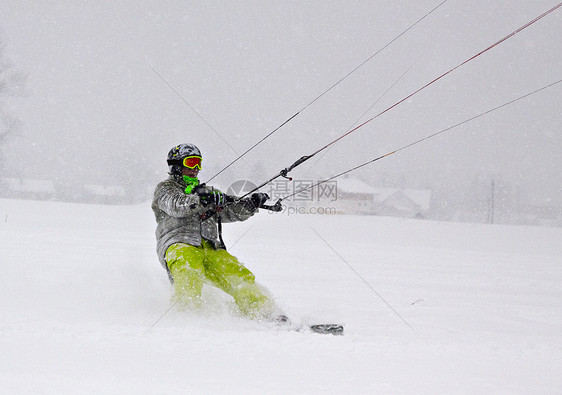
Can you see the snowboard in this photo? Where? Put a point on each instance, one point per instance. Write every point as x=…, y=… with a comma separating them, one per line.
x=327, y=329
x=323, y=329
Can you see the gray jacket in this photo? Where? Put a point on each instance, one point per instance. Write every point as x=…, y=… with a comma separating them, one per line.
x=178, y=216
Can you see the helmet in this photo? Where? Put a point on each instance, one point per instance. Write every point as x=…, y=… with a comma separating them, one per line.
x=178, y=153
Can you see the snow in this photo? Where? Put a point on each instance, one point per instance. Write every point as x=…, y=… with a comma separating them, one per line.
x=354, y=185
x=82, y=287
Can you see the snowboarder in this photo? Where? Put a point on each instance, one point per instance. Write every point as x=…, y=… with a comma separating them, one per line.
x=189, y=245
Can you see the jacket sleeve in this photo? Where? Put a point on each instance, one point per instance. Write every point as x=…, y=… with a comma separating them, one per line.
x=237, y=211
x=170, y=199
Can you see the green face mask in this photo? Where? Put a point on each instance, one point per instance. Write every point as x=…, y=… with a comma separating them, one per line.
x=191, y=183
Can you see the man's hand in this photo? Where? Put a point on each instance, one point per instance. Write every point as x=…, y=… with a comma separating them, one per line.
x=258, y=199
x=214, y=197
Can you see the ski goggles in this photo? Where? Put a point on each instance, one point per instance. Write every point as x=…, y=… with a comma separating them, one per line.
x=191, y=162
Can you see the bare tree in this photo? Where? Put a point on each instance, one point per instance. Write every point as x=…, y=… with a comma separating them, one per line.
x=11, y=85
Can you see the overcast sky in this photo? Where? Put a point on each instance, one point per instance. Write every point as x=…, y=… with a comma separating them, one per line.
x=96, y=108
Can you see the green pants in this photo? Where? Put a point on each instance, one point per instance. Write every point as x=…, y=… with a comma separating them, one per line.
x=193, y=266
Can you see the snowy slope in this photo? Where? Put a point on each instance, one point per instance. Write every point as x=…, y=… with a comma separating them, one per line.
x=81, y=286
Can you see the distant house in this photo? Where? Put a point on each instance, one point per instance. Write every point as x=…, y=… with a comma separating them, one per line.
x=27, y=188
x=396, y=202
x=359, y=198
x=354, y=197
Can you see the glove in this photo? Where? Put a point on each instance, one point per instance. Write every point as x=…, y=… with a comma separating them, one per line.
x=214, y=197
x=258, y=199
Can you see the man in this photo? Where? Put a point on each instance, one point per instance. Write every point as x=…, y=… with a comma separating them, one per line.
x=189, y=245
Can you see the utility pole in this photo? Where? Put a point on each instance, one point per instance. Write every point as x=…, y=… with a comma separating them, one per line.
x=491, y=205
